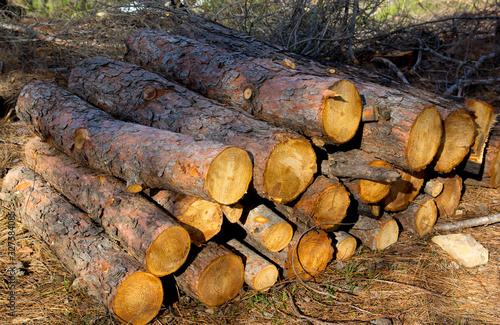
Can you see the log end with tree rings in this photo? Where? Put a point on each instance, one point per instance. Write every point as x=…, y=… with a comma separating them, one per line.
x=278, y=237
x=403, y=191
x=424, y=139
x=202, y=219
x=330, y=208
x=221, y=280
x=266, y=278
x=387, y=235
x=458, y=137
x=346, y=245
x=229, y=175
x=342, y=111
x=232, y=212
x=169, y=251
x=289, y=170
x=426, y=217
x=311, y=256
x=371, y=191
x=138, y=299
x=449, y=199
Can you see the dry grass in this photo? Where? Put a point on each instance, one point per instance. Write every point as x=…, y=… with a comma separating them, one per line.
x=413, y=282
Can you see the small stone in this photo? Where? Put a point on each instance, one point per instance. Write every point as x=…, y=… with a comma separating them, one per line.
x=463, y=248
x=209, y=311
x=381, y=321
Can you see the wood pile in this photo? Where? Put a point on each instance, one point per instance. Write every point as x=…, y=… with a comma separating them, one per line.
x=135, y=166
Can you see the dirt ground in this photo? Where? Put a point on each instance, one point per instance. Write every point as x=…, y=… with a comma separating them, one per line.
x=412, y=282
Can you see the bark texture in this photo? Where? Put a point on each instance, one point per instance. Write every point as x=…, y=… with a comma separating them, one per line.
x=283, y=161
x=159, y=158
x=328, y=107
x=376, y=234
x=143, y=229
x=112, y=276
x=420, y=216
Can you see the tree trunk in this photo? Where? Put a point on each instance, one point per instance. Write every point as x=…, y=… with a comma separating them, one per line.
x=214, y=276
x=202, y=219
x=420, y=216
x=322, y=107
x=376, y=234
x=324, y=203
x=265, y=229
x=403, y=191
x=449, y=199
x=345, y=245
x=260, y=274
x=158, y=158
x=143, y=229
x=284, y=162
x=112, y=276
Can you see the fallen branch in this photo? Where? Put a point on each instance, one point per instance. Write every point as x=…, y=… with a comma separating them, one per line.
x=469, y=223
x=35, y=34
x=392, y=67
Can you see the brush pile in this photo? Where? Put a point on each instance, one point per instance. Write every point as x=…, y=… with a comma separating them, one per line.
x=224, y=167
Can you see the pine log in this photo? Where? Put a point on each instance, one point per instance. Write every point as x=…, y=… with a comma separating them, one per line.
x=420, y=216
x=449, y=199
x=485, y=119
x=158, y=158
x=213, y=276
x=260, y=274
x=458, y=137
x=322, y=107
x=112, y=276
x=490, y=172
x=232, y=212
x=363, y=208
x=403, y=191
x=283, y=161
x=345, y=245
x=434, y=187
x=376, y=234
x=324, y=203
x=143, y=229
x=202, y=219
x=265, y=229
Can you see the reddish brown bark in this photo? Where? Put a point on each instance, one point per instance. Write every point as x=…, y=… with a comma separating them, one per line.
x=112, y=276
x=159, y=158
x=283, y=161
x=143, y=229
x=420, y=216
x=214, y=276
x=376, y=234
x=328, y=107
x=202, y=219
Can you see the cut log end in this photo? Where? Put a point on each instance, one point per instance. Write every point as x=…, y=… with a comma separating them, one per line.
x=81, y=136
x=342, y=113
x=290, y=170
x=459, y=135
x=203, y=220
x=138, y=299
x=331, y=207
x=424, y=139
x=247, y=93
x=266, y=278
x=134, y=186
x=373, y=192
x=278, y=237
x=426, y=218
x=346, y=248
x=403, y=191
x=229, y=175
x=221, y=280
x=169, y=251
x=387, y=235
x=232, y=212
x=447, y=202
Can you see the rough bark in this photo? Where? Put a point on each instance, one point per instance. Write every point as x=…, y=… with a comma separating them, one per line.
x=403, y=191
x=260, y=274
x=214, y=276
x=265, y=229
x=323, y=107
x=449, y=199
x=433, y=187
x=161, y=159
x=143, y=229
x=201, y=218
x=112, y=276
x=345, y=245
x=283, y=161
x=420, y=216
x=376, y=234
x=324, y=203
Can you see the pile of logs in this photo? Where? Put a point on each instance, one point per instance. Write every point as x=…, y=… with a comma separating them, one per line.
x=135, y=166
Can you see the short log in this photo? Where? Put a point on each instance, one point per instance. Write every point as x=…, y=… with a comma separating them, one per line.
x=112, y=276
x=420, y=216
x=449, y=199
x=376, y=234
x=345, y=245
x=403, y=191
x=433, y=187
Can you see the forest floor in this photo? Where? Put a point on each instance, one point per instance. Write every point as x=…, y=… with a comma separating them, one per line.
x=412, y=282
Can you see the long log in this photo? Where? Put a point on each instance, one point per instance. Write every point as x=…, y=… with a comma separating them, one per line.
x=283, y=161
x=201, y=218
x=157, y=158
x=143, y=229
x=420, y=216
x=112, y=276
x=324, y=203
x=321, y=107
x=213, y=276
